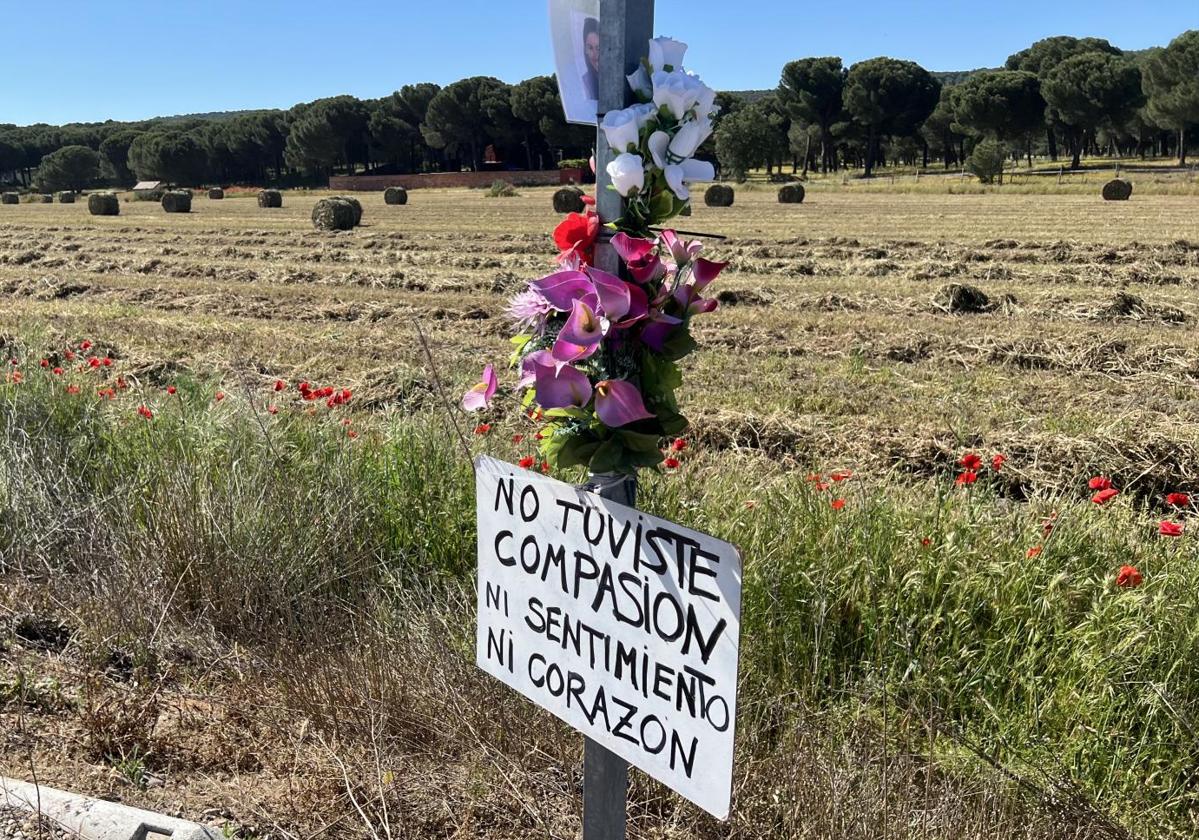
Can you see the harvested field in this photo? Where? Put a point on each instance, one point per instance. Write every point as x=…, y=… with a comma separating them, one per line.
x=840, y=350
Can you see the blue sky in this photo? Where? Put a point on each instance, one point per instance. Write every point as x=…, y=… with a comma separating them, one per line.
x=88, y=61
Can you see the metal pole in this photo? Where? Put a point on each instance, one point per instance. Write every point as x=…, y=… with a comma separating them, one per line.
x=626, y=26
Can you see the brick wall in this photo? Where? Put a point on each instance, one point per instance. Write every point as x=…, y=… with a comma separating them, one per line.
x=366, y=183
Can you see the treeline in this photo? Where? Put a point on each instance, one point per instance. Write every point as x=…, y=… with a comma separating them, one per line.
x=421, y=127
x=1062, y=96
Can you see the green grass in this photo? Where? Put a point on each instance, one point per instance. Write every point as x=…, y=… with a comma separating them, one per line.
x=268, y=526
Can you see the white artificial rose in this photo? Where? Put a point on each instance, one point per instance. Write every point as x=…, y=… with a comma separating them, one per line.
x=676, y=91
x=621, y=129
x=659, y=146
x=666, y=53
x=705, y=106
x=645, y=112
x=627, y=173
x=679, y=175
x=690, y=137
x=640, y=83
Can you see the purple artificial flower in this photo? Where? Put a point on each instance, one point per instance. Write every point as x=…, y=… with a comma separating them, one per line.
x=580, y=336
x=640, y=257
x=612, y=292
x=479, y=396
x=658, y=330
x=704, y=272
x=618, y=403
x=528, y=366
x=563, y=288
x=562, y=386
x=681, y=252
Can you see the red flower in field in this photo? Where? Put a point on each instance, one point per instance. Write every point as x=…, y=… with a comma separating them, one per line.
x=145, y=412
x=837, y=504
x=971, y=462
x=57, y=371
x=1049, y=524
x=107, y=362
x=346, y=421
x=70, y=357
x=1100, y=482
x=813, y=478
x=304, y=386
x=1129, y=577
x=517, y=438
x=1035, y=551
x=821, y=486
x=121, y=383
x=1178, y=500
x=171, y=389
x=86, y=345
x=330, y=403
x=280, y=384
x=925, y=542
x=482, y=428
x=93, y=362
x=346, y=394
x=72, y=389
x=17, y=377
x=272, y=409
x=841, y=475
x=44, y=363
x=671, y=463
x=1104, y=496
x=576, y=236
x=998, y=461
x=351, y=434
x=1169, y=529
x=527, y=461
x=678, y=444
x=220, y=395
x=545, y=467
x=968, y=477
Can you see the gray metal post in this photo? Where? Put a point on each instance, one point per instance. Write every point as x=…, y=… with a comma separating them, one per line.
x=626, y=27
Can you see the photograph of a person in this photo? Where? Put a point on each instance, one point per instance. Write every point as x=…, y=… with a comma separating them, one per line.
x=575, y=30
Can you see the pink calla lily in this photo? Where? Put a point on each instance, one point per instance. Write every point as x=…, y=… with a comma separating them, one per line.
x=640, y=257
x=480, y=395
x=584, y=326
x=562, y=387
x=612, y=292
x=618, y=403
x=528, y=366
x=704, y=272
x=681, y=252
x=563, y=288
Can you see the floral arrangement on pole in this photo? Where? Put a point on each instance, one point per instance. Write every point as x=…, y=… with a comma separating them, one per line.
x=597, y=354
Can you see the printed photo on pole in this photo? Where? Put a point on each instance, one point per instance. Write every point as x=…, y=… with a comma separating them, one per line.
x=623, y=625
x=574, y=28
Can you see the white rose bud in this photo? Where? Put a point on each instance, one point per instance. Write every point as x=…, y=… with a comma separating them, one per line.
x=676, y=91
x=640, y=83
x=666, y=53
x=678, y=176
x=691, y=136
x=621, y=129
x=627, y=173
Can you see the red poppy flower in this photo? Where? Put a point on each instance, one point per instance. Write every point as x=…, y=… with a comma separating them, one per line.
x=841, y=475
x=351, y=434
x=925, y=542
x=527, y=461
x=997, y=462
x=57, y=371
x=1178, y=500
x=72, y=389
x=482, y=428
x=145, y=412
x=330, y=403
x=272, y=409
x=1129, y=577
x=971, y=462
x=968, y=477
x=107, y=362
x=1169, y=529
x=814, y=478
x=837, y=504
x=671, y=463
x=171, y=389
x=545, y=467
x=44, y=363
x=93, y=362
x=1035, y=551
x=304, y=386
x=220, y=395
x=1100, y=482
x=280, y=384
x=517, y=438
x=1104, y=496
x=70, y=356
x=577, y=233
x=121, y=383
x=678, y=445
x=821, y=486
x=1049, y=524
x=86, y=345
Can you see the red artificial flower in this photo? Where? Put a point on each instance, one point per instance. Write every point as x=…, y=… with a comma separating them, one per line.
x=671, y=463
x=482, y=428
x=971, y=462
x=517, y=438
x=576, y=234
x=1169, y=529
x=171, y=389
x=837, y=504
x=1178, y=500
x=280, y=384
x=997, y=462
x=968, y=477
x=527, y=461
x=841, y=475
x=220, y=395
x=1035, y=551
x=272, y=409
x=1100, y=482
x=1104, y=496
x=57, y=371
x=1129, y=577
x=678, y=444
x=44, y=363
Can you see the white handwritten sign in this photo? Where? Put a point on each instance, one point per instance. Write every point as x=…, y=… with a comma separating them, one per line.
x=623, y=625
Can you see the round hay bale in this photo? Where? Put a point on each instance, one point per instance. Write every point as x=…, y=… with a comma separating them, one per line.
x=333, y=214
x=270, y=198
x=66, y=197
x=10, y=198
x=395, y=195
x=791, y=194
x=1117, y=190
x=356, y=204
x=104, y=204
x=46, y=198
x=177, y=201
x=569, y=200
x=216, y=194
x=719, y=195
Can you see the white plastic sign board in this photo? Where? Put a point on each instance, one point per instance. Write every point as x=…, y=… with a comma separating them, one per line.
x=624, y=625
x=574, y=28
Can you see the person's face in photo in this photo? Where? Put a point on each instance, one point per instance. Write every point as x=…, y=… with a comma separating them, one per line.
x=591, y=50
